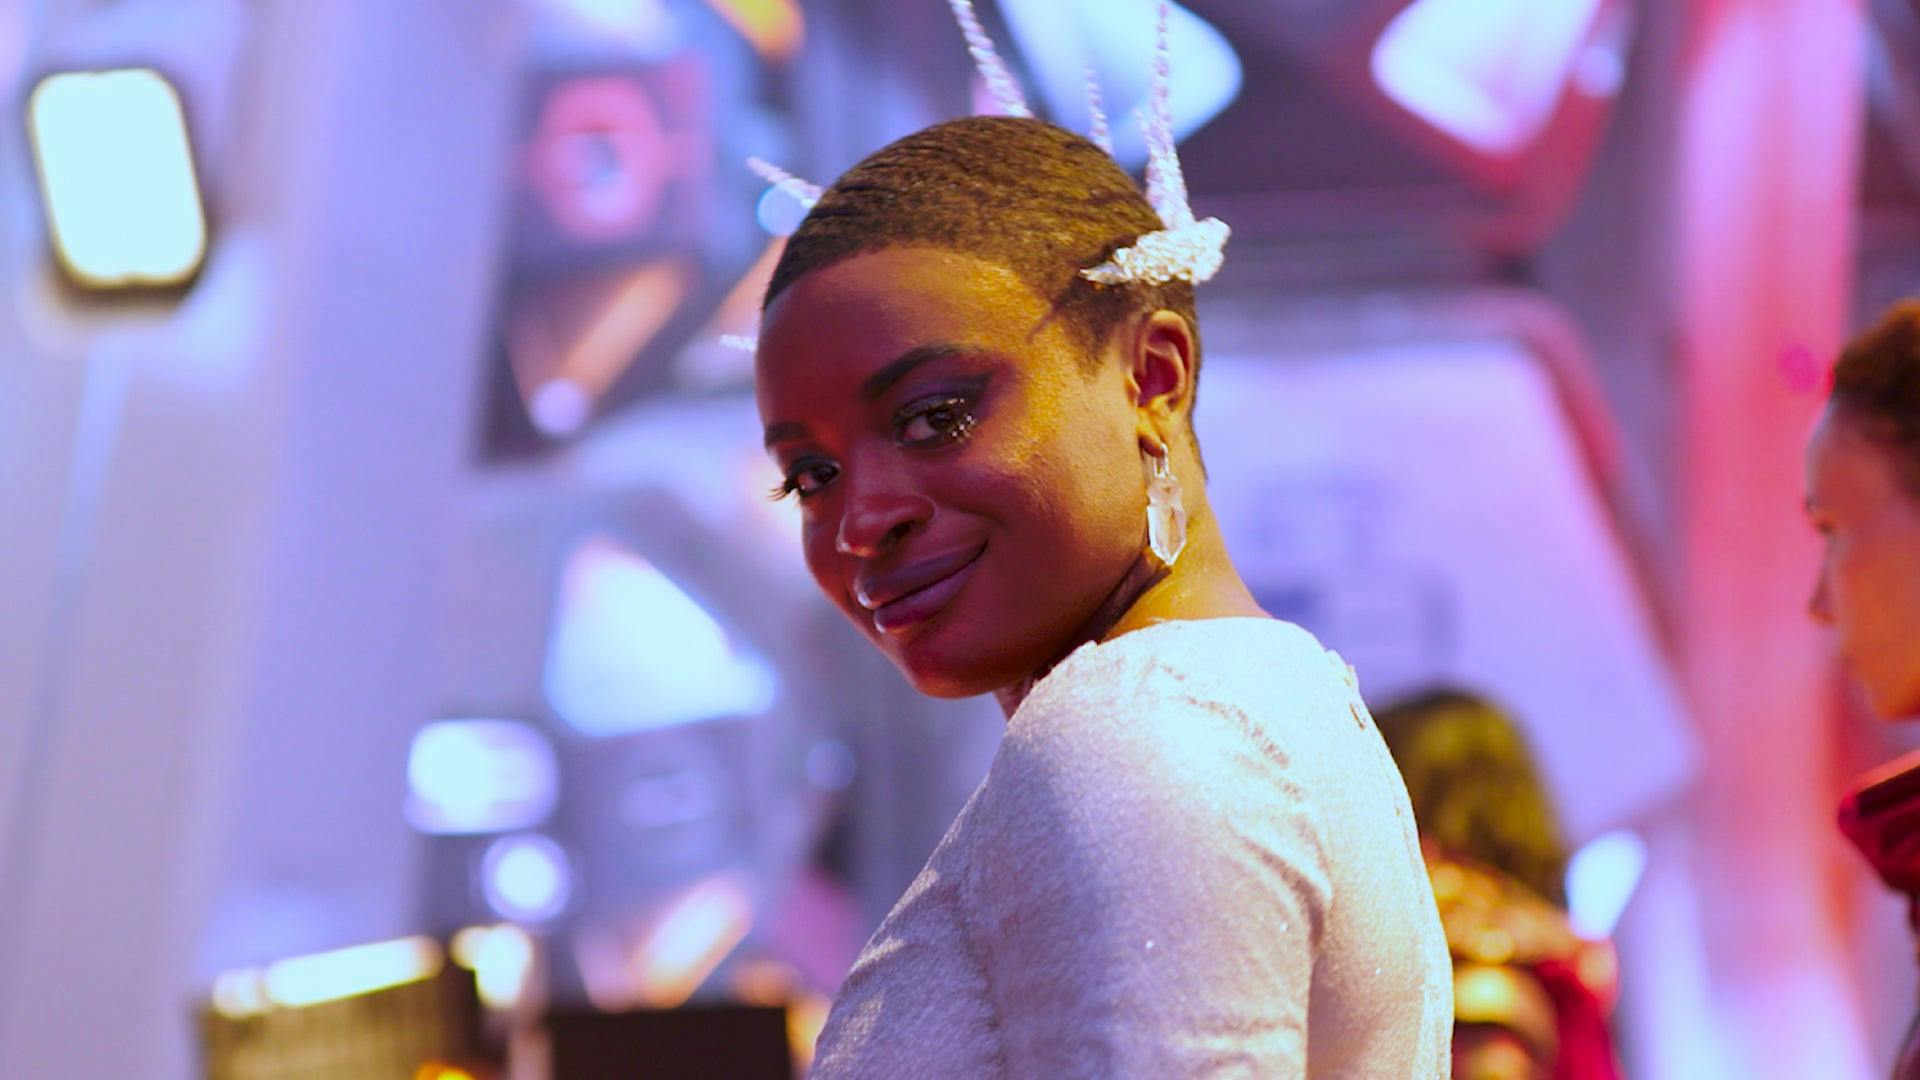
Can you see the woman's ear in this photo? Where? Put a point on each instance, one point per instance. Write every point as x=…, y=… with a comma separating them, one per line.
x=1160, y=373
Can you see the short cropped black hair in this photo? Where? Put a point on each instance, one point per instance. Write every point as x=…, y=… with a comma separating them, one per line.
x=1025, y=194
x=1876, y=384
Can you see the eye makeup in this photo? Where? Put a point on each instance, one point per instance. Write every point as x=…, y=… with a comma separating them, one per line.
x=936, y=418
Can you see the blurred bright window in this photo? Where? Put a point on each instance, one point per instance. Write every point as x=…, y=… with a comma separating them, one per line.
x=117, y=178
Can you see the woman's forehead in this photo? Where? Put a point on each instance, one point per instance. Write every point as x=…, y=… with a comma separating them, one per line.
x=1846, y=468
x=843, y=322
x=917, y=284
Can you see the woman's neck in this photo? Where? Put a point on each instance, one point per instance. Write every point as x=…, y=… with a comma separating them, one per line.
x=1203, y=584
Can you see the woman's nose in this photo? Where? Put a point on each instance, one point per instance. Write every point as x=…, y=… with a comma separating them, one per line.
x=1820, y=604
x=874, y=524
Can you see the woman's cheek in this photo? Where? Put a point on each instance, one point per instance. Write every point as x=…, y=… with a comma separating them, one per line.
x=816, y=546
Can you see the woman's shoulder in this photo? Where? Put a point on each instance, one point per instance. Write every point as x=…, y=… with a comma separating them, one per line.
x=1179, y=680
x=1181, y=641
x=1184, y=710
x=1149, y=756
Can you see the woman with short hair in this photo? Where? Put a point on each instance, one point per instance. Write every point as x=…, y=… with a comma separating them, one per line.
x=1191, y=856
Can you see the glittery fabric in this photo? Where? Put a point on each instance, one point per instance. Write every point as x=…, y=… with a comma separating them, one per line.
x=1192, y=253
x=1191, y=857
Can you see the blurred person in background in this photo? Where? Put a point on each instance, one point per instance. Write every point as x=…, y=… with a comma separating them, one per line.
x=1191, y=855
x=1863, y=497
x=1530, y=996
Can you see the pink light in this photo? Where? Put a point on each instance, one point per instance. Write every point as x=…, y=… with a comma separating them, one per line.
x=1487, y=72
x=602, y=157
x=1802, y=371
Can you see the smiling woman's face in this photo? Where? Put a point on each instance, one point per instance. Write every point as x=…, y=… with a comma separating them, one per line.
x=970, y=490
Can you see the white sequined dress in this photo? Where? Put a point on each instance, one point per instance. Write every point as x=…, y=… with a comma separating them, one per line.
x=1191, y=857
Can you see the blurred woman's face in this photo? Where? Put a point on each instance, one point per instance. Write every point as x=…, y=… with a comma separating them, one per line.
x=1869, y=584
x=970, y=490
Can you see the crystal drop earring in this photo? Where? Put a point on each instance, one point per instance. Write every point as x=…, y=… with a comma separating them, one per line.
x=1166, y=515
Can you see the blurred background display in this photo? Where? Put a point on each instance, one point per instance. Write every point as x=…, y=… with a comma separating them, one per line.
x=391, y=588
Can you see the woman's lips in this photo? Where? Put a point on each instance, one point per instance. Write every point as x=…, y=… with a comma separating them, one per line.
x=924, y=603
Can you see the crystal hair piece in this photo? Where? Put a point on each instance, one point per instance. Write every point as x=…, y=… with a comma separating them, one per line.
x=1192, y=253
x=1186, y=249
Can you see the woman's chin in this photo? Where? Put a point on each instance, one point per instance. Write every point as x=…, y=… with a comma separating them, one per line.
x=1890, y=705
x=943, y=686
x=937, y=669
x=945, y=680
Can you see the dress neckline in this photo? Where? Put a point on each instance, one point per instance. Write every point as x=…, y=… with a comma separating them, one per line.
x=1138, y=638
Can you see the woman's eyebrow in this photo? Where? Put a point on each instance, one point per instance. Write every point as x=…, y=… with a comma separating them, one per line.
x=877, y=383
x=785, y=431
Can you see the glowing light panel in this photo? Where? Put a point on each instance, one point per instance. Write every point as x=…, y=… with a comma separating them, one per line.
x=645, y=26
x=500, y=957
x=631, y=651
x=474, y=776
x=1487, y=72
x=240, y=994
x=1059, y=38
x=779, y=212
x=1601, y=878
x=117, y=178
x=349, y=972
x=526, y=878
x=690, y=940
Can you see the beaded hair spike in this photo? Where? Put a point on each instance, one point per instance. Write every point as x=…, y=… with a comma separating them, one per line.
x=804, y=192
x=1097, y=129
x=1186, y=250
x=987, y=59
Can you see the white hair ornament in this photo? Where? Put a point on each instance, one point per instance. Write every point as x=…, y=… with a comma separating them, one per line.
x=804, y=192
x=1186, y=250
x=986, y=59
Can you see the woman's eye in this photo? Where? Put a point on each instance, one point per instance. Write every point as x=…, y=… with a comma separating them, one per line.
x=937, y=423
x=806, y=480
